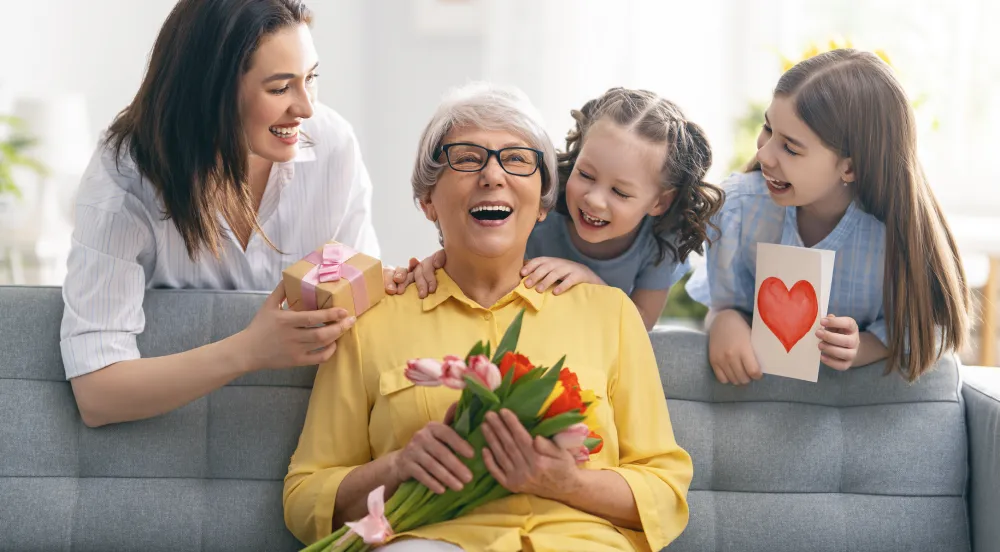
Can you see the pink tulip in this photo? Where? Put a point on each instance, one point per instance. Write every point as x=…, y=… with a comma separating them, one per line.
x=580, y=454
x=572, y=437
x=424, y=371
x=453, y=372
x=485, y=371
x=373, y=528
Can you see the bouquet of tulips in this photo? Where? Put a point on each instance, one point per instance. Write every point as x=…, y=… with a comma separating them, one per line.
x=548, y=401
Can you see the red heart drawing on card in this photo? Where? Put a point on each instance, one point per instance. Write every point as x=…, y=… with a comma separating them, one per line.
x=788, y=314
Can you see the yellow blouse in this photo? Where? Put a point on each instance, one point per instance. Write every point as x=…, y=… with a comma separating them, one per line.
x=363, y=407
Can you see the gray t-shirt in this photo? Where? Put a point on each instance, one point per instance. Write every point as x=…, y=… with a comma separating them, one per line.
x=634, y=269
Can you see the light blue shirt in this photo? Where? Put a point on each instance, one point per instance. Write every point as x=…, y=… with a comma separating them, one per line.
x=749, y=217
x=636, y=268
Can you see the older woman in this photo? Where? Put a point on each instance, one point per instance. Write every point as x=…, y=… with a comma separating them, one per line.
x=367, y=425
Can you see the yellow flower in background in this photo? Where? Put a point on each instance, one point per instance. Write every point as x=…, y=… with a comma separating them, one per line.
x=833, y=43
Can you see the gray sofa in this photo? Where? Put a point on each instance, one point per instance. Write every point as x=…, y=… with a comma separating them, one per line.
x=855, y=462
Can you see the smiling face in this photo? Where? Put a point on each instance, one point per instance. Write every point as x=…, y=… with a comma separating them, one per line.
x=489, y=213
x=278, y=92
x=799, y=168
x=616, y=181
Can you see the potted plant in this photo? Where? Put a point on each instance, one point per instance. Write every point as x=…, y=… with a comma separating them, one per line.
x=18, y=191
x=13, y=143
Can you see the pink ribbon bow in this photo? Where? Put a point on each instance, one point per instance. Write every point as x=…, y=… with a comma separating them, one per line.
x=331, y=266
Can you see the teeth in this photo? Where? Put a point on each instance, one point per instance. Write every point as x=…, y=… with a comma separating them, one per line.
x=777, y=183
x=285, y=132
x=593, y=220
x=479, y=208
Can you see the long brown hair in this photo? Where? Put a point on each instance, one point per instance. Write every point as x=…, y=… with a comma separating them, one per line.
x=688, y=158
x=183, y=129
x=857, y=107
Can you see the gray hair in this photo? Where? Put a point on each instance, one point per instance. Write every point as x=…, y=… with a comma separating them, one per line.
x=491, y=107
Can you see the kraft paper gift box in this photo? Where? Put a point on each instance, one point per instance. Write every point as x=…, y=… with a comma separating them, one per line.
x=334, y=276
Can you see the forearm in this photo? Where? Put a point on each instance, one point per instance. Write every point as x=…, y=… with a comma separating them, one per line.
x=870, y=350
x=351, y=502
x=714, y=315
x=147, y=387
x=616, y=504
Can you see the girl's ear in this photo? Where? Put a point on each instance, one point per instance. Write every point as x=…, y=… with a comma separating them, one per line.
x=846, y=168
x=663, y=203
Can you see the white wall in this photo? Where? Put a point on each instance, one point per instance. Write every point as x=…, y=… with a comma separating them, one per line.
x=378, y=70
x=386, y=63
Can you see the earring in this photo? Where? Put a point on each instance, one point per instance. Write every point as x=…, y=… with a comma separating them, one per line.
x=845, y=183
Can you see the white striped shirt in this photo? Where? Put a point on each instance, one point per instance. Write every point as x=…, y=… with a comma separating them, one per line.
x=750, y=216
x=122, y=246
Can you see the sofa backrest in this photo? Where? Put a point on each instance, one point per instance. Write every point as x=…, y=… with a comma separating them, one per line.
x=857, y=461
x=205, y=477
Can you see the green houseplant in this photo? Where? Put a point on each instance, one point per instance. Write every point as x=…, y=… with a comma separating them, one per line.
x=13, y=145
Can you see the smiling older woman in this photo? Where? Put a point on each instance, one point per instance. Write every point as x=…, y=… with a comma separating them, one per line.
x=485, y=175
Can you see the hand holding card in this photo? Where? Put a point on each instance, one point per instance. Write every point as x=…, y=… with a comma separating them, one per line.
x=792, y=295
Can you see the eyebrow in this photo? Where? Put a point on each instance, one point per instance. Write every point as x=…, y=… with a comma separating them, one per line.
x=286, y=76
x=787, y=137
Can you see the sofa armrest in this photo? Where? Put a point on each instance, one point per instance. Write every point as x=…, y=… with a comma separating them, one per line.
x=981, y=392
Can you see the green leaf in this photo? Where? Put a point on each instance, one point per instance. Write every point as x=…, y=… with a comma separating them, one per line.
x=510, y=337
x=591, y=443
x=506, y=385
x=532, y=375
x=558, y=367
x=555, y=424
x=477, y=349
x=473, y=384
x=462, y=424
x=527, y=400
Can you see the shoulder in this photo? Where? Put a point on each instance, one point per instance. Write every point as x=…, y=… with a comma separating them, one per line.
x=595, y=301
x=554, y=223
x=745, y=187
x=391, y=311
x=112, y=183
x=748, y=202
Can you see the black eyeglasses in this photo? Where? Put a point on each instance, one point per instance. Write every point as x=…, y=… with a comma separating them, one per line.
x=465, y=157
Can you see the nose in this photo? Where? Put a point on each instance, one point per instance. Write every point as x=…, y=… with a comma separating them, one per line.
x=302, y=106
x=765, y=156
x=594, y=200
x=492, y=174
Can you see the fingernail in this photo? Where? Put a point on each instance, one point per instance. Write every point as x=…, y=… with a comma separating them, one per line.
x=528, y=283
x=351, y=321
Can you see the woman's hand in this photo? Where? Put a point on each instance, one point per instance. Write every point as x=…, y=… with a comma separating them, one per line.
x=278, y=338
x=729, y=350
x=839, y=341
x=430, y=457
x=545, y=272
x=523, y=464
